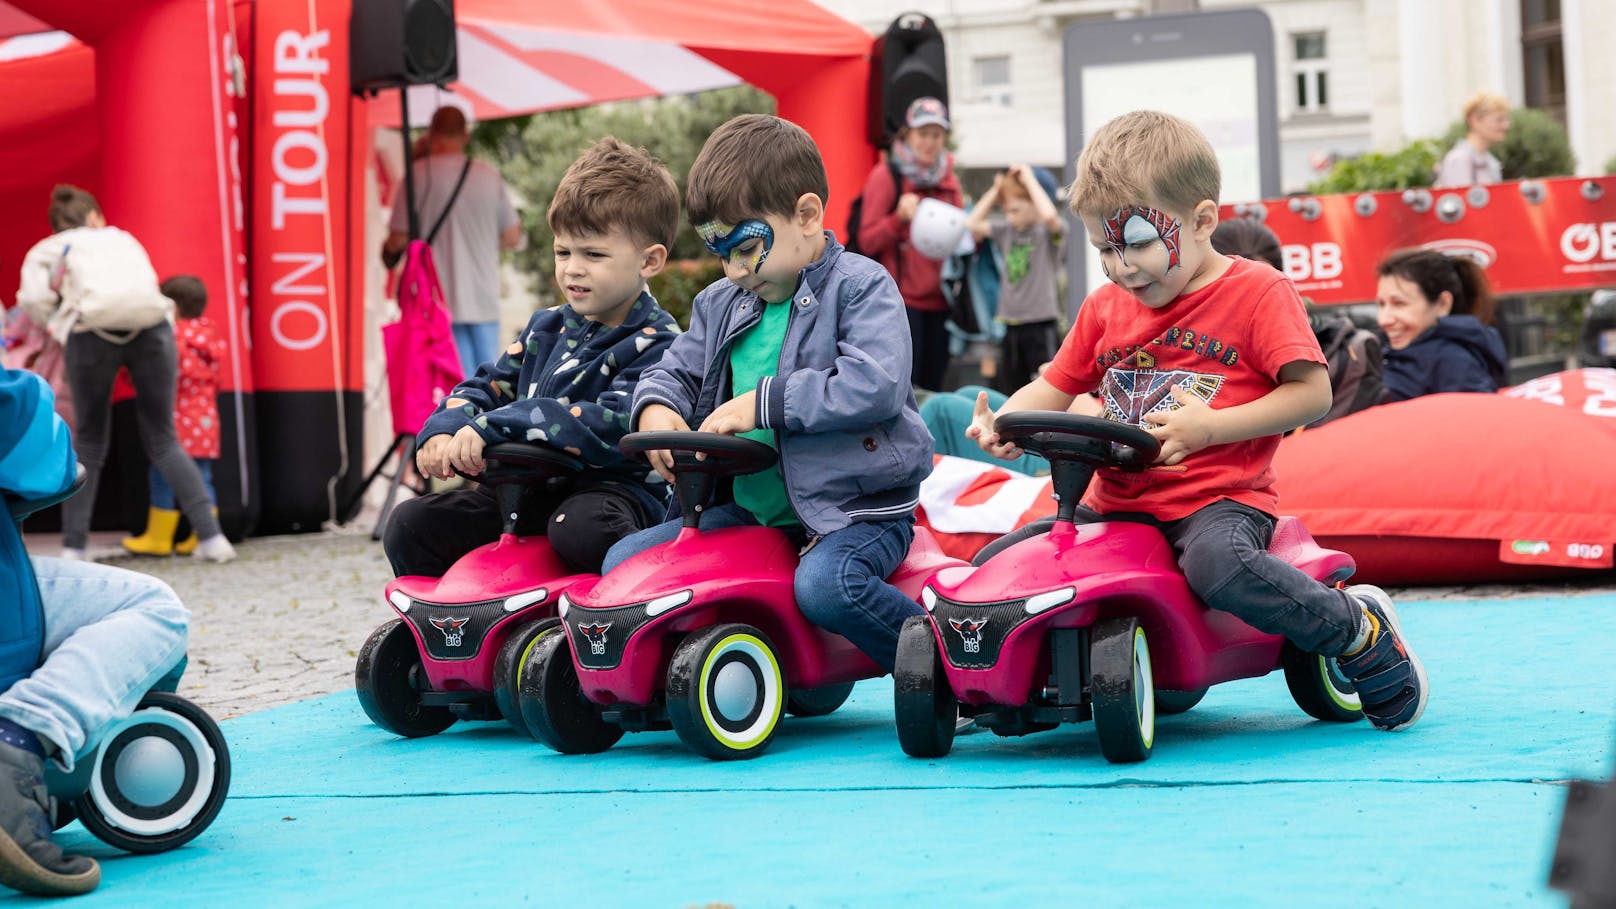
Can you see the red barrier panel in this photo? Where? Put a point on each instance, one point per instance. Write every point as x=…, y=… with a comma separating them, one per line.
x=1533, y=236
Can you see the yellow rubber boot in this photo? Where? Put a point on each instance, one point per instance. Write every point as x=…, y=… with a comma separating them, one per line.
x=188, y=545
x=158, y=538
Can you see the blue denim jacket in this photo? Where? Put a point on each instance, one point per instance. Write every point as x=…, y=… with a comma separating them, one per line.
x=852, y=446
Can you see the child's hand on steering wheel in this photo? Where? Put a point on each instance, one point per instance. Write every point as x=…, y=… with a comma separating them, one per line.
x=661, y=418
x=1183, y=430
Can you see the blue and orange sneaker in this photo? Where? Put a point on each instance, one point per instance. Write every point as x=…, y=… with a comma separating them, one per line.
x=1390, y=680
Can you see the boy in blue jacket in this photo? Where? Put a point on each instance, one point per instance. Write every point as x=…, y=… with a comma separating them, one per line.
x=80, y=644
x=566, y=381
x=805, y=347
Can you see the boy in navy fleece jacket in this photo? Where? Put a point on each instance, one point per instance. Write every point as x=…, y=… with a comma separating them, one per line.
x=566, y=381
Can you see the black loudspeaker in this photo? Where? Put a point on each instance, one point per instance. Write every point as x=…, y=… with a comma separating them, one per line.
x=912, y=64
x=393, y=43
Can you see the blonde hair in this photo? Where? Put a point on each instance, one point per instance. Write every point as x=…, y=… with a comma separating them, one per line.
x=1484, y=102
x=1145, y=157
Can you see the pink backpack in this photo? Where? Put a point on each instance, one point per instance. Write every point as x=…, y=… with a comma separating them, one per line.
x=422, y=363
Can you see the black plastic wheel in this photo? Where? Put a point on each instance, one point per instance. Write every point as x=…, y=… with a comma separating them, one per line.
x=1318, y=686
x=923, y=702
x=553, y=705
x=1124, y=696
x=386, y=679
x=1168, y=702
x=508, y=665
x=820, y=701
x=726, y=692
x=159, y=777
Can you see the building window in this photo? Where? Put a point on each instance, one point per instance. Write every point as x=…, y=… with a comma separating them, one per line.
x=992, y=77
x=1311, y=73
x=1543, y=57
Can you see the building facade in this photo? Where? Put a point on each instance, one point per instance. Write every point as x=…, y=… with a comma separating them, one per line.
x=1353, y=75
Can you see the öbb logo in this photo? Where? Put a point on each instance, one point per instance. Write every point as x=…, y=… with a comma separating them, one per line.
x=1586, y=241
x=1312, y=262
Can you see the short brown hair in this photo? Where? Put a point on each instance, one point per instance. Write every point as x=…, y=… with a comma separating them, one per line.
x=70, y=207
x=1145, y=157
x=448, y=120
x=751, y=166
x=613, y=184
x=189, y=294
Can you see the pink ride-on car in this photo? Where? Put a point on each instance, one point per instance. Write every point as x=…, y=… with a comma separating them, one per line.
x=1090, y=621
x=701, y=633
x=455, y=652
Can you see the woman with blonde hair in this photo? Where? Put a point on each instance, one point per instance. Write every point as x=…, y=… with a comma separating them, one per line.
x=1469, y=162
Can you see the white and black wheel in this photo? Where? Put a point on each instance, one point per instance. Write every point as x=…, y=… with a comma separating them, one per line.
x=821, y=701
x=553, y=705
x=388, y=680
x=1319, y=686
x=1123, y=691
x=508, y=663
x=726, y=692
x=923, y=702
x=1168, y=702
x=159, y=777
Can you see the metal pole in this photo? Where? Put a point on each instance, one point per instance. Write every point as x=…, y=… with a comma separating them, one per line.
x=409, y=169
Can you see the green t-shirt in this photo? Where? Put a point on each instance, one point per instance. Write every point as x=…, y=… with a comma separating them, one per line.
x=757, y=354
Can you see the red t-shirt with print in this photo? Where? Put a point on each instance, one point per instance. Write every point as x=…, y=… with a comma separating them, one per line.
x=1224, y=343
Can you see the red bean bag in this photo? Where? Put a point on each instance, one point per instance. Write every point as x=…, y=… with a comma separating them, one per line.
x=1441, y=489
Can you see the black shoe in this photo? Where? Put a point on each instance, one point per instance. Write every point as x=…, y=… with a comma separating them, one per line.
x=1391, y=682
x=29, y=860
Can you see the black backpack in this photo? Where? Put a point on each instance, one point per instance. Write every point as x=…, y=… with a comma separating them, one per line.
x=1356, y=362
x=855, y=210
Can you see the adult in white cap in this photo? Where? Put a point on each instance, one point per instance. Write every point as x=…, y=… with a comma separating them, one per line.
x=918, y=166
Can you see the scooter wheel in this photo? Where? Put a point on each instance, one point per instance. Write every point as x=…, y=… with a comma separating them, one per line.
x=387, y=680
x=1168, y=702
x=820, y=701
x=726, y=692
x=923, y=702
x=508, y=663
x=159, y=777
x=553, y=705
x=1124, y=696
x=1318, y=686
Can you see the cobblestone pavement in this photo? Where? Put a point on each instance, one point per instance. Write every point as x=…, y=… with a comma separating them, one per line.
x=285, y=620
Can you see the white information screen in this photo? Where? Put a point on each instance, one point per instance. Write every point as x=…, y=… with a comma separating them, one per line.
x=1218, y=94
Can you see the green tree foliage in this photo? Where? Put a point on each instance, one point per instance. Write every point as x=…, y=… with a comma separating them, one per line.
x=533, y=151
x=1412, y=165
x=1536, y=146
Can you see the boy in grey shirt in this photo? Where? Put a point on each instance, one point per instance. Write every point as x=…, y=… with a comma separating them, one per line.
x=1029, y=241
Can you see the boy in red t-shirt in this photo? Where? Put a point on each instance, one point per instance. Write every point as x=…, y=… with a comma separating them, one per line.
x=1214, y=357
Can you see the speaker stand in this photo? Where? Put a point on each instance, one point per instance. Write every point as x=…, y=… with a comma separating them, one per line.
x=404, y=448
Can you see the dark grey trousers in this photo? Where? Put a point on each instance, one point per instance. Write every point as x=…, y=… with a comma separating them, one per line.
x=92, y=363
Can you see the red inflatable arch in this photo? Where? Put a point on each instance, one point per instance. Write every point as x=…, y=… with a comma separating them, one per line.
x=223, y=135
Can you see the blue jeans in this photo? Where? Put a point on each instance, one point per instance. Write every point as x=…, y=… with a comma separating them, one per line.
x=477, y=342
x=162, y=495
x=841, y=581
x=948, y=414
x=110, y=635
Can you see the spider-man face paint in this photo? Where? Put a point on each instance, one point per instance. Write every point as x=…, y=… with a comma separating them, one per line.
x=1134, y=229
x=753, y=238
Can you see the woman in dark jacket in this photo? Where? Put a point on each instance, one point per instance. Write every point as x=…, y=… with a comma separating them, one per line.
x=1436, y=311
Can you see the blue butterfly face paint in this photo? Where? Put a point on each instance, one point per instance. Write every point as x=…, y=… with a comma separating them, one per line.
x=724, y=239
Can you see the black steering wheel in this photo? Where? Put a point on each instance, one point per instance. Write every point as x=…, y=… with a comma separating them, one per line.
x=1062, y=436
x=21, y=508
x=696, y=479
x=726, y=456
x=524, y=463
